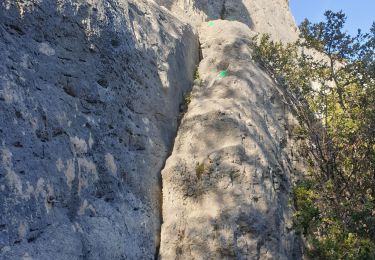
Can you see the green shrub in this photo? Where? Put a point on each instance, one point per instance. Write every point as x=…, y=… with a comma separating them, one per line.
x=335, y=206
x=307, y=213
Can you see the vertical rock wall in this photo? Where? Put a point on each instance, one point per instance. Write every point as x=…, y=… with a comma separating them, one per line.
x=90, y=95
x=227, y=183
x=89, y=102
x=261, y=16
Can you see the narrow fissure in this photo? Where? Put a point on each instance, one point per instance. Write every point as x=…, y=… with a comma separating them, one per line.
x=183, y=109
x=223, y=11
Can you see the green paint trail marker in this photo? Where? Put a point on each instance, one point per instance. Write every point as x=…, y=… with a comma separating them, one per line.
x=223, y=73
x=210, y=23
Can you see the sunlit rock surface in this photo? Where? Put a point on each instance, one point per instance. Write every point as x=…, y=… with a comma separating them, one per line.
x=261, y=16
x=91, y=94
x=226, y=185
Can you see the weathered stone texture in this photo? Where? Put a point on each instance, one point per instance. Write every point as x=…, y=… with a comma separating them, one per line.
x=227, y=183
x=89, y=101
x=261, y=16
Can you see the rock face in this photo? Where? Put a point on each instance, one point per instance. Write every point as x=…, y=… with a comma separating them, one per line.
x=262, y=16
x=226, y=185
x=89, y=100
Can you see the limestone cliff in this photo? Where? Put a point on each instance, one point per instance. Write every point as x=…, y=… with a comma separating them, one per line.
x=89, y=101
x=226, y=186
x=91, y=95
x=262, y=16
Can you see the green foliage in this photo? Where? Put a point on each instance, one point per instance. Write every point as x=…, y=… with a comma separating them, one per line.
x=187, y=99
x=338, y=244
x=199, y=169
x=335, y=207
x=326, y=233
x=196, y=75
x=185, y=104
x=307, y=212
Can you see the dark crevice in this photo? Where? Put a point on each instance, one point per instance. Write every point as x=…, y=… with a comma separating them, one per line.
x=180, y=117
x=223, y=11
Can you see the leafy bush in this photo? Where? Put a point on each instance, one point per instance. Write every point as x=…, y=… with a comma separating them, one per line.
x=335, y=206
x=307, y=212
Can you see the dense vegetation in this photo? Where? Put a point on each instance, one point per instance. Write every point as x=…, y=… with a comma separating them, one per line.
x=329, y=76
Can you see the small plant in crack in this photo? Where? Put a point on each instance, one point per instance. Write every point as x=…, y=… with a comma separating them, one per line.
x=199, y=170
x=196, y=75
x=187, y=99
x=185, y=104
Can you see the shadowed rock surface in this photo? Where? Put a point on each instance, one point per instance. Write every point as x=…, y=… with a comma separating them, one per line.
x=89, y=101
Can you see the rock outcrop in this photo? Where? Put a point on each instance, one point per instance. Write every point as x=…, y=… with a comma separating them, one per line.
x=91, y=95
x=226, y=185
x=89, y=100
x=261, y=16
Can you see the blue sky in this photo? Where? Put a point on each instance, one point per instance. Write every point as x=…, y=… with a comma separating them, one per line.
x=360, y=13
